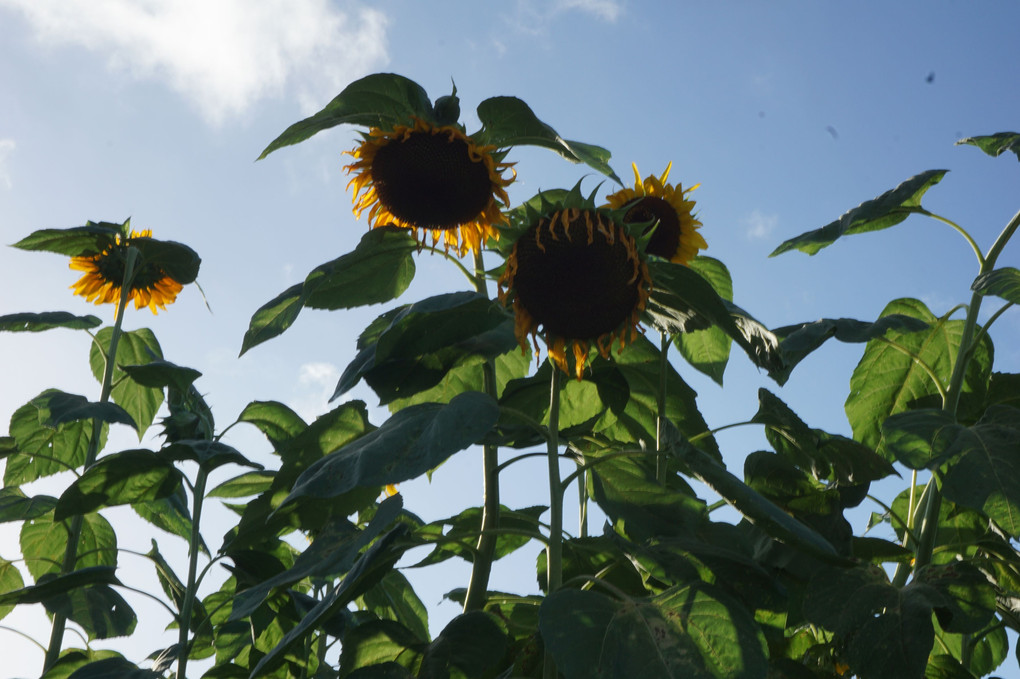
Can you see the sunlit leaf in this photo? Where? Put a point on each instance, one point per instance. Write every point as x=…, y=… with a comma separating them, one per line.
x=98, y=609
x=55, y=585
x=244, y=485
x=277, y=421
x=44, y=542
x=90, y=239
x=47, y=320
x=136, y=347
x=274, y=317
x=694, y=631
x=470, y=645
x=708, y=350
x=967, y=602
x=57, y=408
x=122, y=478
x=995, y=144
x=378, y=100
x=208, y=454
x=43, y=450
x=889, y=209
x=393, y=598
x=10, y=581
x=15, y=506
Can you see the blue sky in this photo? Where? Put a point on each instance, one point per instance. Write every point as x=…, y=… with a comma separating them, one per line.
x=787, y=114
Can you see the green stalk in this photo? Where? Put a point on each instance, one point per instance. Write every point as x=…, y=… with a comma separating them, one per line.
x=74, y=532
x=929, y=525
x=554, y=550
x=485, y=548
x=660, y=419
x=190, y=593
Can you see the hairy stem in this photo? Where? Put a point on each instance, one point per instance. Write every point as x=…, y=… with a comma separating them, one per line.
x=191, y=593
x=554, y=550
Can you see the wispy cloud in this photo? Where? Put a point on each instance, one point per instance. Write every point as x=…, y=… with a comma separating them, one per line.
x=316, y=383
x=758, y=225
x=221, y=55
x=6, y=149
x=533, y=16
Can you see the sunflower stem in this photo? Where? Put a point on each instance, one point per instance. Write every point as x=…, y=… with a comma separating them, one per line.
x=481, y=567
x=91, y=453
x=554, y=550
x=660, y=418
x=191, y=593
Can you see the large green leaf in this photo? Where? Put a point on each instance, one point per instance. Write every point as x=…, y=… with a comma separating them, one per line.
x=274, y=317
x=797, y=341
x=708, y=350
x=410, y=443
x=986, y=475
x=43, y=450
x=890, y=378
x=469, y=646
x=170, y=514
x=508, y=121
x=177, y=260
x=158, y=374
x=275, y=420
x=55, y=585
x=468, y=375
x=135, y=347
x=965, y=599
x=995, y=144
x=889, y=209
x=10, y=581
x=378, y=100
x=393, y=598
x=98, y=609
x=425, y=340
x=458, y=535
x=694, y=631
x=44, y=541
x=381, y=649
x=1004, y=283
x=122, y=478
x=90, y=239
x=109, y=668
x=921, y=439
x=47, y=320
x=57, y=408
x=15, y=506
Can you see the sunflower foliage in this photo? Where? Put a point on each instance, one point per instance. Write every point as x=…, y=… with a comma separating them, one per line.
x=320, y=561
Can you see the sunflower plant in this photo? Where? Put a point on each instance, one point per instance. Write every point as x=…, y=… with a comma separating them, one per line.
x=572, y=344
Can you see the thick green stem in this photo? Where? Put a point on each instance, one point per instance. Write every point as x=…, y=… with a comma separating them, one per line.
x=660, y=419
x=190, y=593
x=485, y=548
x=554, y=550
x=91, y=453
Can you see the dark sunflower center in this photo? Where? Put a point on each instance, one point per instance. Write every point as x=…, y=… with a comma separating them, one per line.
x=666, y=238
x=430, y=181
x=111, y=266
x=574, y=289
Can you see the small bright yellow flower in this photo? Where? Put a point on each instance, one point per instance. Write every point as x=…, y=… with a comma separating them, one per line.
x=104, y=276
x=578, y=276
x=653, y=200
x=430, y=178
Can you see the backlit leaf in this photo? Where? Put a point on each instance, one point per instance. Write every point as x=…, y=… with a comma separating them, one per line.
x=122, y=478
x=37, y=322
x=708, y=350
x=1004, y=283
x=274, y=317
x=995, y=144
x=136, y=347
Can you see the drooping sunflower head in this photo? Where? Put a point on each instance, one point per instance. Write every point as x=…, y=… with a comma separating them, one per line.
x=433, y=179
x=667, y=210
x=151, y=286
x=576, y=276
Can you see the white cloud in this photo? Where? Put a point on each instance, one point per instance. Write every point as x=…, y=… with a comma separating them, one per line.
x=222, y=55
x=607, y=10
x=6, y=149
x=316, y=383
x=532, y=16
x=759, y=226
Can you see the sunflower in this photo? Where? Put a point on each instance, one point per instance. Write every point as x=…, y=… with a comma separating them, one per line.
x=430, y=178
x=577, y=274
x=151, y=286
x=653, y=200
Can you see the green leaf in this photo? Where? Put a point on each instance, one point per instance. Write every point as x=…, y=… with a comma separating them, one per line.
x=708, y=350
x=888, y=381
x=244, y=485
x=458, y=535
x=425, y=340
x=797, y=341
x=47, y=320
x=393, y=598
x=967, y=604
x=77, y=241
x=176, y=260
x=471, y=643
x=112, y=668
x=921, y=439
x=57, y=408
x=10, y=581
x=55, y=585
x=410, y=443
x=15, y=506
x=508, y=121
x=136, y=347
x=683, y=301
x=369, y=569
x=466, y=375
x=986, y=475
x=44, y=542
x=889, y=209
x=170, y=514
x=278, y=422
x=98, y=609
x=119, y=479
x=378, y=100
x=158, y=374
x=693, y=631
x=382, y=649
x=1004, y=283
x=208, y=454
x=995, y=144
x=43, y=450
x=379, y=269
x=274, y=317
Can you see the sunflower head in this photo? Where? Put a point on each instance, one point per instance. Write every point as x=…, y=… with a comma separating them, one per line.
x=433, y=179
x=667, y=210
x=575, y=275
x=103, y=274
